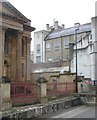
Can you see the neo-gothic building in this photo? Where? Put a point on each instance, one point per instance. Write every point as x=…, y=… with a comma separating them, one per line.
x=15, y=38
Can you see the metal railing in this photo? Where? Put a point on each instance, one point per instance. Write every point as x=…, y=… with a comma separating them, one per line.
x=24, y=93
x=60, y=88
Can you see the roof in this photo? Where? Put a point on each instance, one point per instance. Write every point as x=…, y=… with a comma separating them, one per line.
x=15, y=11
x=69, y=31
x=17, y=16
x=55, y=69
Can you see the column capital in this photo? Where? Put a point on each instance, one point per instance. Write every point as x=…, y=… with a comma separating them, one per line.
x=29, y=40
x=20, y=32
x=3, y=28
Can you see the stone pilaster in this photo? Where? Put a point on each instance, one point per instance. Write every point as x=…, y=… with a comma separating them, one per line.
x=13, y=54
x=6, y=99
x=28, y=58
x=43, y=89
x=25, y=58
x=19, y=55
x=94, y=53
x=2, y=38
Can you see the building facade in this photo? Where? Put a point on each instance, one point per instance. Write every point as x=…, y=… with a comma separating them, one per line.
x=15, y=38
x=57, y=44
x=39, y=41
x=87, y=54
x=94, y=52
x=84, y=50
x=39, y=45
x=60, y=46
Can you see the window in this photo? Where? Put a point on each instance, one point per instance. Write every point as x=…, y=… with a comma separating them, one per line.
x=90, y=36
x=6, y=45
x=38, y=48
x=57, y=45
x=22, y=69
x=38, y=59
x=23, y=47
x=49, y=59
x=66, y=43
x=58, y=58
x=48, y=47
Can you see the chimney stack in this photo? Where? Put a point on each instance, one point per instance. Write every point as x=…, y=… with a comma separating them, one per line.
x=63, y=26
x=47, y=26
x=56, y=25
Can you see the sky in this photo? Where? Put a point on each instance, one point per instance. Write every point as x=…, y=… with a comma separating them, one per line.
x=68, y=12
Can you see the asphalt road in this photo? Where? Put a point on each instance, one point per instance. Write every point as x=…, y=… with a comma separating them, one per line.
x=87, y=112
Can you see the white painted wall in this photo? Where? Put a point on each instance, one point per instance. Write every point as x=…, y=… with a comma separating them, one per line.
x=83, y=58
x=94, y=52
x=39, y=37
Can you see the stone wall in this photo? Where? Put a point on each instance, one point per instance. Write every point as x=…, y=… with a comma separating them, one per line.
x=35, y=111
x=50, y=76
x=6, y=100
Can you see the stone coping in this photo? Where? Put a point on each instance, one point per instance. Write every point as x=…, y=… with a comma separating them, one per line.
x=37, y=110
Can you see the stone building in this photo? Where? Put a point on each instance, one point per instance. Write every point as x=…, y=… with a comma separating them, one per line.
x=84, y=50
x=87, y=53
x=15, y=38
x=94, y=51
x=39, y=45
x=57, y=43
x=60, y=51
x=39, y=41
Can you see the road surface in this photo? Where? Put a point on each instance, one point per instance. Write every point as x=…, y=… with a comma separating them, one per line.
x=76, y=112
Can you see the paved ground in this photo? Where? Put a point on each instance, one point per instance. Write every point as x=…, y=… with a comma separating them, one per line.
x=76, y=112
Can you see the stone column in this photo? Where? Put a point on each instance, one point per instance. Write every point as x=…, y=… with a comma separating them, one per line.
x=6, y=103
x=2, y=38
x=43, y=89
x=25, y=58
x=28, y=59
x=14, y=59
x=19, y=55
x=94, y=53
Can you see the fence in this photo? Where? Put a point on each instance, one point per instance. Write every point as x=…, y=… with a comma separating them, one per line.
x=60, y=89
x=24, y=93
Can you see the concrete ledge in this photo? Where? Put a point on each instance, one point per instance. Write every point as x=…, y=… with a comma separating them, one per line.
x=41, y=109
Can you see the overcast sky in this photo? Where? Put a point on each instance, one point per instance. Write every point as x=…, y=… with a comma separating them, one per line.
x=68, y=12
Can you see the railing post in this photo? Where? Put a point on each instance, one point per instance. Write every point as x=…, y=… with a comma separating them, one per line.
x=66, y=87
x=43, y=89
x=6, y=97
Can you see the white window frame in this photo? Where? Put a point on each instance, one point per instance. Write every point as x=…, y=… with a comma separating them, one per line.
x=39, y=60
x=38, y=49
x=49, y=59
x=66, y=42
x=48, y=47
x=57, y=45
